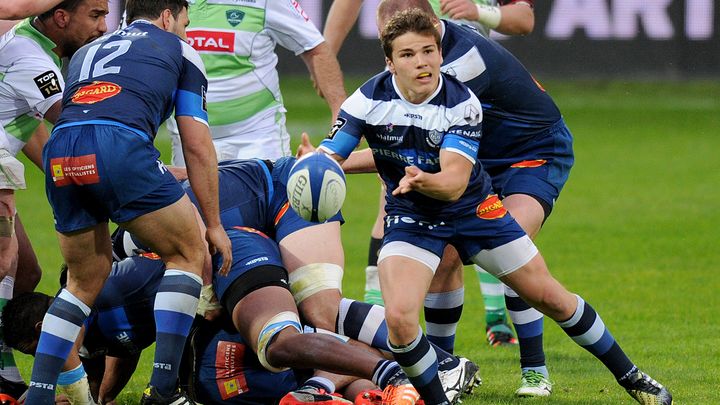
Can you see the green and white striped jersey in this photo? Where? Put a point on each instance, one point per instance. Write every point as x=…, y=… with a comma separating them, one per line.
x=236, y=40
x=30, y=83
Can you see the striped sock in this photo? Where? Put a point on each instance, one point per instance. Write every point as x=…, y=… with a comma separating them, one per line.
x=8, y=368
x=61, y=326
x=528, y=323
x=442, y=315
x=419, y=361
x=493, y=294
x=366, y=323
x=175, y=306
x=384, y=371
x=587, y=329
x=363, y=322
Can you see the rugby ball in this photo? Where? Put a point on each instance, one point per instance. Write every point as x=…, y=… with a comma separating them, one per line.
x=316, y=187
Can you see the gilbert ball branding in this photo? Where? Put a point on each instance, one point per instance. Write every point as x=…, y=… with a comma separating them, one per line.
x=316, y=187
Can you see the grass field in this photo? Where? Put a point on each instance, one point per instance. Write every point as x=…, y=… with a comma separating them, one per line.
x=636, y=232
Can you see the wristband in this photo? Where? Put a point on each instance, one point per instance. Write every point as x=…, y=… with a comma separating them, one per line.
x=489, y=16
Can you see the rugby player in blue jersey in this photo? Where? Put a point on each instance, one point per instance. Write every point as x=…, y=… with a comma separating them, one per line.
x=101, y=165
x=423, y=130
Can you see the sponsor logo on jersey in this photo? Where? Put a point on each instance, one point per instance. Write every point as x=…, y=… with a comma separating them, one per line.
x=78, y=170
x=472, y=115
x=300, y=10
x=149, y=255
x=491, y=208
x=212, y=41
x=234, y=17
x=95, y=92
x=229, y=368
x=414, y=116
x=48, y=84
x=337, y=126
x=529, y=163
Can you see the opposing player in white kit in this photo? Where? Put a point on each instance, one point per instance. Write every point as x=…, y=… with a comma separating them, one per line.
x=237, y=44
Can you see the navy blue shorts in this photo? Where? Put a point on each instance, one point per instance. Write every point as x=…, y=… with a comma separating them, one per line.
x=541, y=170
x=486, y=227
x=251, y=249
x=98, y=172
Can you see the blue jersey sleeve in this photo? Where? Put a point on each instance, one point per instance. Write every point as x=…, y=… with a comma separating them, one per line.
x=345, y=135
x=190, y=99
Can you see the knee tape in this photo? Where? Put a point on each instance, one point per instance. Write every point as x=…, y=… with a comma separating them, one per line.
x=313, y=278
x=277, y=323
x=7, y=226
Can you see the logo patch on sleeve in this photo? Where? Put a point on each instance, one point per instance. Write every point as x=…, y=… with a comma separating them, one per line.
x=339, y=123
x=48, y=84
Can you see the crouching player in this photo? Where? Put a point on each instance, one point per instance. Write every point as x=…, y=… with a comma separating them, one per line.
x=122, y=324
x=424, y=132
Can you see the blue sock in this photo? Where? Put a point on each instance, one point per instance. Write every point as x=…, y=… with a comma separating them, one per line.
x=587, y=329
x=384, y=371
x=419, y=361
x=528, y=323
x=442, y=315
x=61, y=326
x=175, y=306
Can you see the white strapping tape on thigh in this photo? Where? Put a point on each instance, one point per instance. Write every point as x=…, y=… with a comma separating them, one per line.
x=399, y=248
x=308, y=280
x=507, y=258
x=277, y=323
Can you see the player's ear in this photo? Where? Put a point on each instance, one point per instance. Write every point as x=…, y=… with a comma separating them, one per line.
x=38, y=327
x=390, y=65
x=61, y=18
x=166, y=19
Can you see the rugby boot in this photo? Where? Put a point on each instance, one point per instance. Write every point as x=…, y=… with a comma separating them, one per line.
x=533, y=384
x=152, y=397
x=647, y=391
x=461, y=379
x=500, y=334
x=312, y=395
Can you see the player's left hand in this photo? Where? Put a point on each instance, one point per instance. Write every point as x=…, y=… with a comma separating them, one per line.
x=305, y=146
x=413, y=175
x=218, y=242
x=459, y=9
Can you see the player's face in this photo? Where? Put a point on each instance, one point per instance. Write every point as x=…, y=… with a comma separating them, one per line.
x=179, y=24
x=85, y=24
x=415, y=62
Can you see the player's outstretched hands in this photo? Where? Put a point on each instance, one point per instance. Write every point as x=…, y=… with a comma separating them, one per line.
x=218, y=242
x=413, y=177
x=459, y=9
x=305, y=146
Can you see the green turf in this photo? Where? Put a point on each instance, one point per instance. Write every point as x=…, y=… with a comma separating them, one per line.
x=635, y=232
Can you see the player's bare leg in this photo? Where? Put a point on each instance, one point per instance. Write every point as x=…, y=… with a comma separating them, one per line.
x=322, y=253
x=579, y=320
x=10, y=380
x=404, y=283
x=174, y=234
x=528, y=322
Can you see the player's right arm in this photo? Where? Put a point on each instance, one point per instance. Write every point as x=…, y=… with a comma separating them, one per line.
x=118, y=371
x=18, y=9
x=340, y=20
x=199, y=152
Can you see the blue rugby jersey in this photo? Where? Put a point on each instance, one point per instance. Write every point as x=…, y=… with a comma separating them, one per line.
x=515, y=107
x=403, y=134
x=134, y=78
